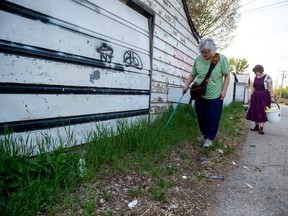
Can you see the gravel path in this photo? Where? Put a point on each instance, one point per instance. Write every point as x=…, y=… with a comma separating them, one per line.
x=259, y=186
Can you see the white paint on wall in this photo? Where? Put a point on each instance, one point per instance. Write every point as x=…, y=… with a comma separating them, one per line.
x=62, y=40
x=174, y=50
x=69, y=136
x=84, y=28
x=229, y=95
x=110, y=33
x=31, y=107
x=21, y=69
x=104, y=21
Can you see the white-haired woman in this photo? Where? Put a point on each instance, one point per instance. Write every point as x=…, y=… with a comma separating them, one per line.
x=209, y=106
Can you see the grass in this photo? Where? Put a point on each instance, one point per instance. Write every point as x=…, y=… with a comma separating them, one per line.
x=159, y=190
x=35, y=185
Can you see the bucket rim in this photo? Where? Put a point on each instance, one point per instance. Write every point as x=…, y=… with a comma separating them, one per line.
x=273, y=109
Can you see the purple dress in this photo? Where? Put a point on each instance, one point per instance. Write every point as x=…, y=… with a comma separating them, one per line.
x=260, y=98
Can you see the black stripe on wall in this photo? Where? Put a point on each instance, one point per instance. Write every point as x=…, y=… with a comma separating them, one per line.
x=40, y=124
x=46, y=19
x=35, y=15
x=16, y=88
x=37, y=52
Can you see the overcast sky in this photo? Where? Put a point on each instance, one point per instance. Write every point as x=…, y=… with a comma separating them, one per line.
x=262, y=37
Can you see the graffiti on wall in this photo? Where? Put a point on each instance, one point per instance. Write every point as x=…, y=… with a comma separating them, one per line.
x=106, y=53
x=130, y=58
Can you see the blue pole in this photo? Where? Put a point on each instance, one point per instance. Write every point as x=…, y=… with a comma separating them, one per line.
x=173, y=112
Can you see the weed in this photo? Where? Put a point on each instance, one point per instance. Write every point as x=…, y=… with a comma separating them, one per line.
x=170, y=170
x=184, y=156
x=32, y=184
x=138, y=191
x=159, y=192
x=89, y=206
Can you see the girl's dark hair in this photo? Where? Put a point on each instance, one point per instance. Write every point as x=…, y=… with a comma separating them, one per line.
x=258, y=68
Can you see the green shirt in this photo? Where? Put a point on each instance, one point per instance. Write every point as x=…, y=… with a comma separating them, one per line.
x=216, y=81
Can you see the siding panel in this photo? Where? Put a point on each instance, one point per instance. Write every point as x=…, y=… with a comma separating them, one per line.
x=94, y=19
x=97, y=51
x=26, y=107
x=19, y=69
x=174, y=51
x=62, y=40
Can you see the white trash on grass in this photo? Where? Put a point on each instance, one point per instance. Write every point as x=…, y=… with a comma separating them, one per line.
x=133, y=203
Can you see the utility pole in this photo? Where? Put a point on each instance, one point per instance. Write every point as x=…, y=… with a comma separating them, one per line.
x=283, y=74
x=275, y=84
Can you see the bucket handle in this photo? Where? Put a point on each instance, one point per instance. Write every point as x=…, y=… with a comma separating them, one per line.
x=277, y=105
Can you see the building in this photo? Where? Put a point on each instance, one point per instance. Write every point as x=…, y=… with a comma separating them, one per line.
x=242, y=93
x=67, y=66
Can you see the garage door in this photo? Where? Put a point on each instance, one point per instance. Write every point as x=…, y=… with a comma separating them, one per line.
x=72, y=63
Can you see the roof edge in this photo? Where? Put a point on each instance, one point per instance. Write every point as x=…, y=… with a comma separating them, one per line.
x=193, y=29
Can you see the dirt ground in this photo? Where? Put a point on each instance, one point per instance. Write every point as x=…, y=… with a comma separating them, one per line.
x=189, y=193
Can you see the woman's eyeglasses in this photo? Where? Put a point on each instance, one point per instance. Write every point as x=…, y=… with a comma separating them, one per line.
x=205, y=51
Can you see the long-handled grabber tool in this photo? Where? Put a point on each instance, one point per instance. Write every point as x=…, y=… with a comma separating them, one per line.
x=173, y=111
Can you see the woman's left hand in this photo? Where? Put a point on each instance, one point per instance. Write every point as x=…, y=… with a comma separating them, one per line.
x=222, y=96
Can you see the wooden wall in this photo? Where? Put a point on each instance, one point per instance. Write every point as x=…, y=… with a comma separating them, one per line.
x=174, y=50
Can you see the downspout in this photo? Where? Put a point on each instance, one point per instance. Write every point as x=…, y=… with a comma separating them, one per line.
x=234, y=88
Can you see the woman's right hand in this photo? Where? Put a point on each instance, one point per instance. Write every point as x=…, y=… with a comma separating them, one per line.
x=185, y=89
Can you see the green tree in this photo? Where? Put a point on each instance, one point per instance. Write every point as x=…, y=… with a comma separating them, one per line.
x=238, y=65
x=281, y=91
x=215, y=18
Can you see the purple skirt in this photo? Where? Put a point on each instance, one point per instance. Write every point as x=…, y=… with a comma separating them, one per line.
x=259, y=100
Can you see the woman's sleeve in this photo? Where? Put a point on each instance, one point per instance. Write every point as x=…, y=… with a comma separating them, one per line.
x=224, y=64
x=269, y=79
x=193, y=72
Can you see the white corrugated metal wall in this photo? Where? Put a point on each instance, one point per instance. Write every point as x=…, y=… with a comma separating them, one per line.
x=77, y=62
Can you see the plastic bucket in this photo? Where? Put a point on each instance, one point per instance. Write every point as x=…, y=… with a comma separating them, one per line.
x=246, y=107
x=274, y=114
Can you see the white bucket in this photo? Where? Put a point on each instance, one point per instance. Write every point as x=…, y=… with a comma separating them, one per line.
x=274, y=114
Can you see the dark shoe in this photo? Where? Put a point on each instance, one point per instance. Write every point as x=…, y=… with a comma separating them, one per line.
x=256, y=128
x=261, y=130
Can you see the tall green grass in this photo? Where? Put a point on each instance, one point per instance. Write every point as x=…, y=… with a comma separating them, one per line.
x=233, y=120
x=35, y=185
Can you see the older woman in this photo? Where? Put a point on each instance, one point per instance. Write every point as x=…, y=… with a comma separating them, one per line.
x=261, y=96
x=209, y=107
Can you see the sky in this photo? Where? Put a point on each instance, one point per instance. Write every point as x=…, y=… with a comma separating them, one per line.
x=262, y=37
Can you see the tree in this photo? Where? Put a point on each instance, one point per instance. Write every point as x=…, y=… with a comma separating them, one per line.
x=215, y=18
x=238, y=65
x=283, y=92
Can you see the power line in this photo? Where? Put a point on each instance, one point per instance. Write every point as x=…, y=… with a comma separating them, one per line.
x=247, y=3
x=275, y=57
x=255, y=10
x=266, y=35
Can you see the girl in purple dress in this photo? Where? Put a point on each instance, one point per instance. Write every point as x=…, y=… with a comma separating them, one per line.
x=261, y=96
